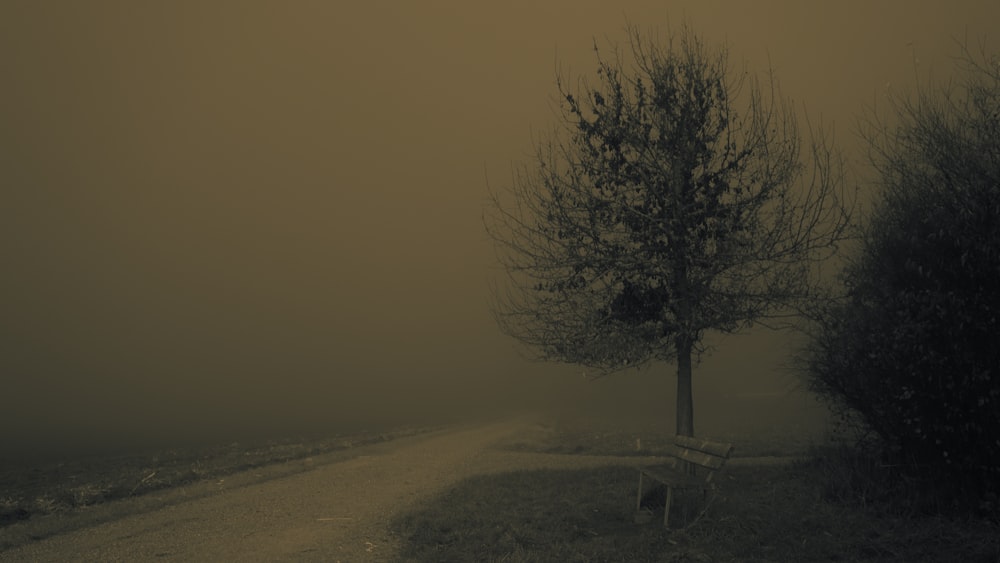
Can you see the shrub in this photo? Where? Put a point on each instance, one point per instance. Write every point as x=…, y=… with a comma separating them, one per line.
x=914, y=347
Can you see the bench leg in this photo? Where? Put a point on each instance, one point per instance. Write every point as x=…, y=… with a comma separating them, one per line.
x=638, y=496
x=666, y=509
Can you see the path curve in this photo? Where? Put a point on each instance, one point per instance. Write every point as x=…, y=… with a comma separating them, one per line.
x=335, y=512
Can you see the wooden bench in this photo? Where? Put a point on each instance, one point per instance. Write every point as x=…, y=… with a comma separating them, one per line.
x=695, y=462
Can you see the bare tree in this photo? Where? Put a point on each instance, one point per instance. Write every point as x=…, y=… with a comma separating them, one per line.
x=673, y=199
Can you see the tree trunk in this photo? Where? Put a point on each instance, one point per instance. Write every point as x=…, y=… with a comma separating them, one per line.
x=685, y=399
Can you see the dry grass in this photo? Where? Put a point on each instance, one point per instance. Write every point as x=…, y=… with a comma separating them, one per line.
x=761, y=513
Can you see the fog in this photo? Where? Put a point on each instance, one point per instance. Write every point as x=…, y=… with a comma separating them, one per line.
x=266, y=217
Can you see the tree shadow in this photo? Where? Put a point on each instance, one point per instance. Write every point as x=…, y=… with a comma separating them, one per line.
x=534, y=515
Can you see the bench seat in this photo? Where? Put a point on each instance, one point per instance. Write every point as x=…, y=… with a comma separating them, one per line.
x=695, y=463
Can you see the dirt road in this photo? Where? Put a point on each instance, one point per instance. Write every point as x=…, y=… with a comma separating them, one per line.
x=335, y=512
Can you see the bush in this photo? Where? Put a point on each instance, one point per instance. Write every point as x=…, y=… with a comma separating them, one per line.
x=914, y=346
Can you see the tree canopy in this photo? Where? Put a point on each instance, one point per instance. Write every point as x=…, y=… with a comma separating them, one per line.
x=672, y=198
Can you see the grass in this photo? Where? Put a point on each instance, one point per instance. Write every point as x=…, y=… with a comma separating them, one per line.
x=43, y=487
x=761, y=513
x=595, y=438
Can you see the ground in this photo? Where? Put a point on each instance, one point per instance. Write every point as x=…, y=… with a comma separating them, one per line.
x=513, y=490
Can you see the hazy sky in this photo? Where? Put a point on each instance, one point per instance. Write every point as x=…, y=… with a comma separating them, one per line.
x=218, y=213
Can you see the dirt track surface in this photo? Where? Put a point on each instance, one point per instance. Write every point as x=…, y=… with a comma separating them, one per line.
x=334, y=512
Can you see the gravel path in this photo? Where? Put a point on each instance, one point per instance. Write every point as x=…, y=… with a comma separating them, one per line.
x=334, y=512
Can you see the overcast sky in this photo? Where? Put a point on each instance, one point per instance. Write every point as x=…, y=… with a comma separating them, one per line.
x=221, y=213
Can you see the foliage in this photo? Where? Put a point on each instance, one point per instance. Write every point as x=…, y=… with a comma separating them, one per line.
x=913, y=347
x=673, y=200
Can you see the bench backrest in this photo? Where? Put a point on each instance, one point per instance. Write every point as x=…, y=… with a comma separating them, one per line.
x=705, y=453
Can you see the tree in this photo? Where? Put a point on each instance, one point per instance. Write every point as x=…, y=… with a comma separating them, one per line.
x=913, y=349
x=672, y=200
